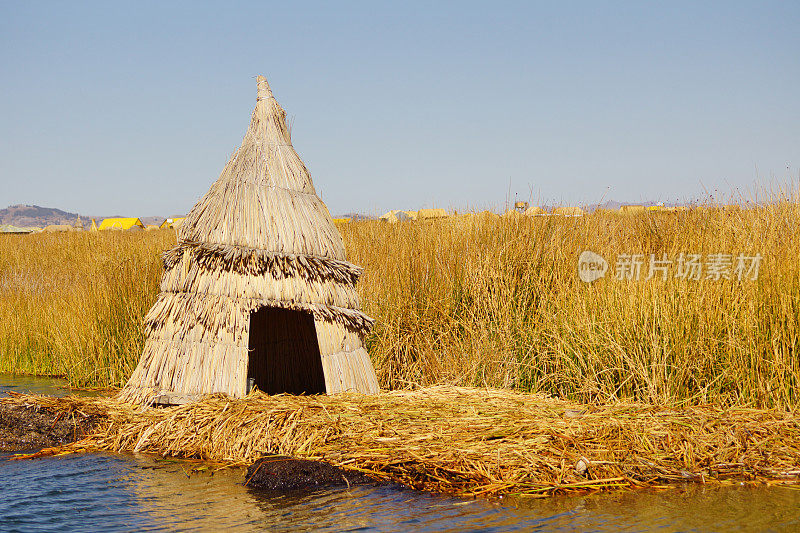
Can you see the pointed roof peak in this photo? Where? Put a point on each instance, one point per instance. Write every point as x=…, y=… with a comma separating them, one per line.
x=264, y=90
x=264, y=198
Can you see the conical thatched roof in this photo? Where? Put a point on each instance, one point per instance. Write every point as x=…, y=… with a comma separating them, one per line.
x=264, y=197
x=259, y=238
x=394, y=216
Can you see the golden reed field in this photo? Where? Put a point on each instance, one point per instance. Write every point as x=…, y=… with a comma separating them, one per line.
x=471, y=300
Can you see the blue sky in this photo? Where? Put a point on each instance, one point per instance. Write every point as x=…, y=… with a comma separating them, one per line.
x=133, y=108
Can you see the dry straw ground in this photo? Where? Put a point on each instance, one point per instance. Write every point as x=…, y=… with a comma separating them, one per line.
x=470, y=301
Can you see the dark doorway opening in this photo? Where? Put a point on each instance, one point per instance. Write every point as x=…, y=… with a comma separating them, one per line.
x=284, y=352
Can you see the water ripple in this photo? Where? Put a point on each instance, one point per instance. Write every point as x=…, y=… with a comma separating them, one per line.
x=140, y=493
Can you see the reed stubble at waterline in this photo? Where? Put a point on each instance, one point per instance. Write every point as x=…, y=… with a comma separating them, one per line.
x=464, y=441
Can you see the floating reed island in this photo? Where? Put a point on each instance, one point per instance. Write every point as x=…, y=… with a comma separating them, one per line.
x=258, y=296
x=461, y=441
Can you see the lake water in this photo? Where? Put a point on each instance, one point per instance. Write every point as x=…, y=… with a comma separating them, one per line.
x=143, y=493
x=33, y=385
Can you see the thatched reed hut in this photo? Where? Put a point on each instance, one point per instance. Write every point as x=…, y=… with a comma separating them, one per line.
x=389, y=216
x=8, y=228
x=58, y=228
x=427, y=214
x=257, y=291
x=395, y=215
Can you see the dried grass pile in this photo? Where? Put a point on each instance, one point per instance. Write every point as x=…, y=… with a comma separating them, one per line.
x=259, y=238
x=470, y=442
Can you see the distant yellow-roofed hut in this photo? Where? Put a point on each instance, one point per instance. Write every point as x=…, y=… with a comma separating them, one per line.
x=93, y=226
x=120, y=224
x=174, y=222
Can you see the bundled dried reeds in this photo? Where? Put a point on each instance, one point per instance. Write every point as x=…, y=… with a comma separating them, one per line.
x=465, y=441
x=260, y=238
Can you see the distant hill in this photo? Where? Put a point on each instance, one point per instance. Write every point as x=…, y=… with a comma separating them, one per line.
x=154, y=221
x=24, y=216
x=33, y=215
